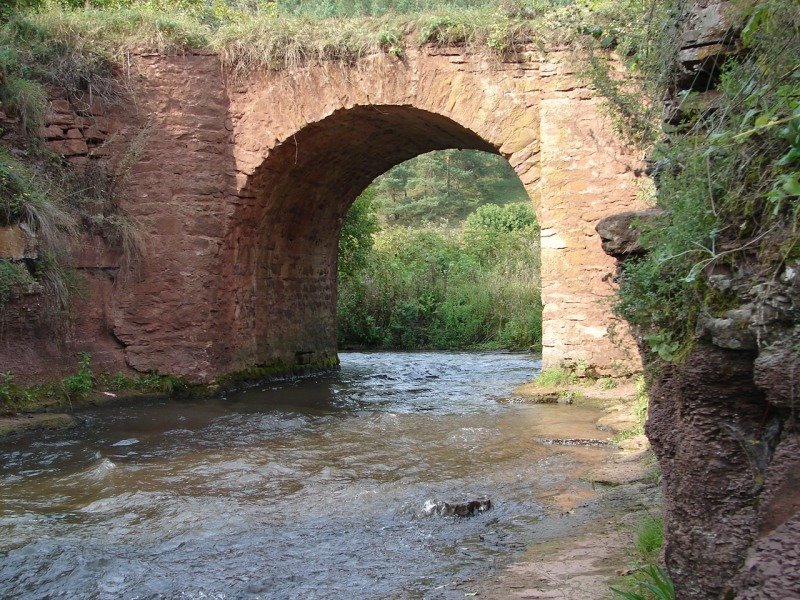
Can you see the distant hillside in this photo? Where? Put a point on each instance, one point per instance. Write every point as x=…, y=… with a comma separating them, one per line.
x=442, y=188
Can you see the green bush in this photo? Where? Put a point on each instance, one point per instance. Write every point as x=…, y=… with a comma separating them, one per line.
x=82, y=382
x=728, y=178
x=429, y=288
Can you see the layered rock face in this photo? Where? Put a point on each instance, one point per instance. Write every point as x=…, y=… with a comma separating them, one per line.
x=723, y=423
x=243, y=185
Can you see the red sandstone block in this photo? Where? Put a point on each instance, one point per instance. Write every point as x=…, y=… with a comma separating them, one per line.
x=51, y=132
x=74, y=134
x=78, y=163
x=87, y=106
x=102, y=124
x=52, y=118
x=61, y=106
x=94, y=135
x=99, y=151
x=68, y=147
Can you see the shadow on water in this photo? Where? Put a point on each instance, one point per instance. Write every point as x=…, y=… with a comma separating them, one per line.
x=311, y=488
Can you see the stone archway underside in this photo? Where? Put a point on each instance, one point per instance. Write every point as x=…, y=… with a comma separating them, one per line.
x=244, y=184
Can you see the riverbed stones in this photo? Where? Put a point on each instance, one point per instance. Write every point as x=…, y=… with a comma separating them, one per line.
x=459, y=509
x=25, y=422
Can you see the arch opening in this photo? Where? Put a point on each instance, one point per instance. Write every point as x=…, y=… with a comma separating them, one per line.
x=286, y=247
x=441, y=252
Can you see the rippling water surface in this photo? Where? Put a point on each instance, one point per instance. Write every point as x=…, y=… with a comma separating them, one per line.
x=312, y=488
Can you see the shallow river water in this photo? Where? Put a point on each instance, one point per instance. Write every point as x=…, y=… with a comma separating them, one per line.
x=310, y=488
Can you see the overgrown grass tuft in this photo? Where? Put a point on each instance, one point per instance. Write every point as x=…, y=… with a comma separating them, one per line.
x=26, y=99
x=246, y=46
x=649, y=537
x=557, y=377
x=648, y=581
x=79, y=46
x=651, y=582
x=35, y=201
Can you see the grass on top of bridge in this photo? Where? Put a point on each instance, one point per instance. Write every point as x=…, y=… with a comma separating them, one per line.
x=278, y=35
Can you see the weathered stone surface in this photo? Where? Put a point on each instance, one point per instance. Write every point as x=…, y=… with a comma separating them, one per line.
x=71, y=147
x=707, y=24
x=51, y=132
x=620, y=235
x=777, y=372
x=731, y=330
x=17, y=243
x=701, y=415
x=242, y=188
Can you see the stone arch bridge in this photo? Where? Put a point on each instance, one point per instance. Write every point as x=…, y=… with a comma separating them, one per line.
x=242, y=187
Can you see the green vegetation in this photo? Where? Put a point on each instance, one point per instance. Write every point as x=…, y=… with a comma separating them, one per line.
x=31, y=198
x=650, y=537
x=12, y=276
x=258, y=34
x=648, y=581
x=442, y=188
x=607, y=383
x=472, y=285
x=556, y=377
x=728, y=176
x=428, y=288
x=83, y=385
x=81, y=382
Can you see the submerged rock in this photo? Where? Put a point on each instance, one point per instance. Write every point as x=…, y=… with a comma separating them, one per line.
x=589, y=443
x=458, y=509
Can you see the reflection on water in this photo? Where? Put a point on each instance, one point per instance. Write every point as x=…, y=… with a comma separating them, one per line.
x=313, y=488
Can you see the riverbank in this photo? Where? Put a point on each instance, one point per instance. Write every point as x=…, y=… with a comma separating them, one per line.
x=585, y=543
x=53, y=404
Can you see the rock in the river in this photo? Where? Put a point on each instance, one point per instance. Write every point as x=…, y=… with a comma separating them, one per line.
x=458, y=509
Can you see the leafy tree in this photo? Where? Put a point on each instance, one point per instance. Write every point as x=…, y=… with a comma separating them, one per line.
x=355, y=239
x=443, y=187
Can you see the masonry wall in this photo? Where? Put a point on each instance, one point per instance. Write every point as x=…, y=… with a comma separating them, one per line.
x=243, y=185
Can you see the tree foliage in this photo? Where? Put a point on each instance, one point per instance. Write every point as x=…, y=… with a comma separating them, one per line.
x=428, y=287
x=442, y=188
x=356, y=237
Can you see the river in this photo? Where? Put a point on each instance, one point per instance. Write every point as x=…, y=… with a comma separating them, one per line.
x=309, y=488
